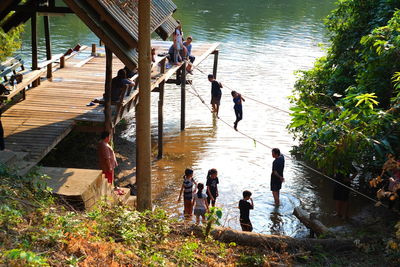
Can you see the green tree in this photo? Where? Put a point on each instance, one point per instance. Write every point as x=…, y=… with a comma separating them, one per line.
x=10, y=42
x=346, y=108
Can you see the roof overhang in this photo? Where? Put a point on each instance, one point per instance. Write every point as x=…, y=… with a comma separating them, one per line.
x=115, y=22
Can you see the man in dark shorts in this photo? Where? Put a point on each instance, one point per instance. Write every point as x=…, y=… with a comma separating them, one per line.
x=216, y=94
x=245, y=208
x=277, y=174
x=341, y=193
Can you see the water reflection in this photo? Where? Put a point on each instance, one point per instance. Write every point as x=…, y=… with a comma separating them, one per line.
x=262, y=43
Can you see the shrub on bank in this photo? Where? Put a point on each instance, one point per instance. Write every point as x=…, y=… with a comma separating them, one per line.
x=37, y=230
x=346, y=108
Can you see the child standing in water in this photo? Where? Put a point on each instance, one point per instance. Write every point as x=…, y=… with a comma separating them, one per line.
x=200, y=204
x=245, y=207
x=237, y=99
x=187, y=189
x=212, y=186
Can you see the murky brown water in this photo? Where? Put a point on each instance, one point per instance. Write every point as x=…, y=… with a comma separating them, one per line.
x=258, y=58
x=262, y=43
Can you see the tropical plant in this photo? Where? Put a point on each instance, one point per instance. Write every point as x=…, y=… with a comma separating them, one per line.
x=213, y=217
x=346, y=108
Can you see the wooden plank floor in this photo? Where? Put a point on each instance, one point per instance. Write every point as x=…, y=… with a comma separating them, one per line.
x=50, y=111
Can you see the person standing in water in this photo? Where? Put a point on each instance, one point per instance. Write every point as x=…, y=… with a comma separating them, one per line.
x=237, y=99
x=212, y=186
x=216, y=94
x=277, y=174
x=200, y=204
x=187, y=189
x=245, y=207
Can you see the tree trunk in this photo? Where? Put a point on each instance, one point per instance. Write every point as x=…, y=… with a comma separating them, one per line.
x=310, y=221
x=274, y=242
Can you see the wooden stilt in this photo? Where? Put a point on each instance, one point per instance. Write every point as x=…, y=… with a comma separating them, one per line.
x=160, y=121
x=34, y=45
x=62, y=62
x=183, y=95
x=143, y=138
x=215, y=66
x=107, y=92
x=93, y=49
x=48, y=45
x=160, y=114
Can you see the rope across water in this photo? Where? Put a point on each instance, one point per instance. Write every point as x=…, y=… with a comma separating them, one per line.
x=196, y=93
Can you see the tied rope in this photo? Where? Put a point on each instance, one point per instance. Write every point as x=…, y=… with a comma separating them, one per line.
x=196, y=93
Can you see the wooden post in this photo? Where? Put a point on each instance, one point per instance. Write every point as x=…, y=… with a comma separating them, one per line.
x=93, y=50
x=160, y=114
x=215, y=66
x=143, y=170
x=183, y=95
x=34, y=45
x=48, y=45
x=160, y=120
x=62, y=62
x=107, y=92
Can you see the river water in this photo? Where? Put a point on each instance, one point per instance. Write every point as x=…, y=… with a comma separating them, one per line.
x=263, y=42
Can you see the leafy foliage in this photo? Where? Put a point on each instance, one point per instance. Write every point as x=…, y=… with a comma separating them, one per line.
x=213, y=217
x=10, y=42
x=36, y=231
x=346, y=108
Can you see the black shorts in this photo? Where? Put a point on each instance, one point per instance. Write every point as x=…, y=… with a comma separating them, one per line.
x=246, y=225
x=216, y=100
x=341, y=193
x=276, y=184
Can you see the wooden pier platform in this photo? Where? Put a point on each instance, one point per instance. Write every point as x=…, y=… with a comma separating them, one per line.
x=51, y=110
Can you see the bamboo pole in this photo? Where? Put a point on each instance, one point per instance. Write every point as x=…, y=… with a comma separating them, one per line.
x=143, y=171
x=183, y=95
x=107, y=92
x=48, y=45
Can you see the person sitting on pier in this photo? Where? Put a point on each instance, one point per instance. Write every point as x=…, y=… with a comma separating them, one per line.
x=171, y=59
x=188, y=45
x=216, y=94
x=118, y=83
x=237, y=99
x=130, y=73
x=171, y=55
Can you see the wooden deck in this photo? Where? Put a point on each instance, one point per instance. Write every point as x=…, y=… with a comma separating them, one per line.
x=51, y=110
